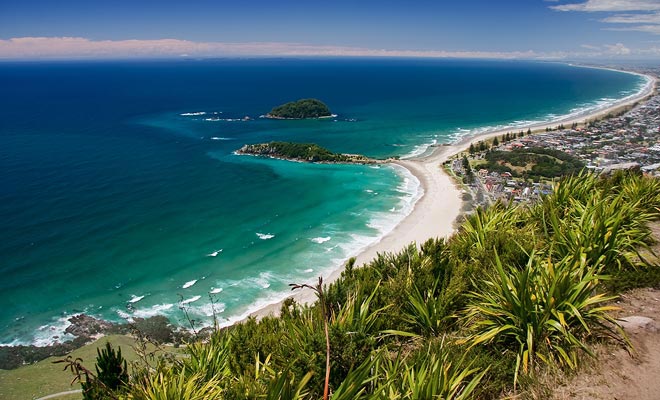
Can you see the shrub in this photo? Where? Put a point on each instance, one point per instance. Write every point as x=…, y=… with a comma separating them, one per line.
x=544, y=311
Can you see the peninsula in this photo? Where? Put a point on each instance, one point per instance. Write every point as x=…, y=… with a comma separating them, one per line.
x=304, y=152
x=300, y=109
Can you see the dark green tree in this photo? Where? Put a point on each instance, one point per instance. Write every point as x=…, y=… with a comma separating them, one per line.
x=468, y=175
x=111, y=374
x=472, y=149
x=466, y=165
x=496, y=142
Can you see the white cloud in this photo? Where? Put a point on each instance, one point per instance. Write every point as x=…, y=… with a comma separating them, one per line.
x=653, y=18
x=654, y=29
x=77, y=47
x=646, y=13
x=610, y=5
x=82, y=48
x=617, y=50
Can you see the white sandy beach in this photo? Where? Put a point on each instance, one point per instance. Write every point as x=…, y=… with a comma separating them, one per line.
x=440, y=205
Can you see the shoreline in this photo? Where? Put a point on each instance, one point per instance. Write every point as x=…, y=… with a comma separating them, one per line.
x=440, y=203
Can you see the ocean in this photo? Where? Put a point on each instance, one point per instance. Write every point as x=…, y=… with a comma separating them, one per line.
x=120, y=195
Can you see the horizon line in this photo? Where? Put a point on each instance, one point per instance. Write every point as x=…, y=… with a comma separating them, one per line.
x=80, y=48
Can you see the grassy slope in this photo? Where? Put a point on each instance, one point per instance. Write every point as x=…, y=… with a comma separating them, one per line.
x=44, y=378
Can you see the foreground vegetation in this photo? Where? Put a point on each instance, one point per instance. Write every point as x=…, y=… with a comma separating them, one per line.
x=516, y=291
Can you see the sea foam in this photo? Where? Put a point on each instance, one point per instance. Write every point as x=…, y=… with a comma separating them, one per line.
x=135, y=299
x=189, y=284
x=158, y=309
x=190, y=300
x=265, y=236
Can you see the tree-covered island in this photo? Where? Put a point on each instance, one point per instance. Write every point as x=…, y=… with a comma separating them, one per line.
x=300, y=109
x=304, y=152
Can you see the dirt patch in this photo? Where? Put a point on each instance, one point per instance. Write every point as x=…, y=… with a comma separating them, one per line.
x=617, y=374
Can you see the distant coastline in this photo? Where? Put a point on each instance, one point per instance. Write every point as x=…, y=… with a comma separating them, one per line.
x=438, y=192
x=440, y=204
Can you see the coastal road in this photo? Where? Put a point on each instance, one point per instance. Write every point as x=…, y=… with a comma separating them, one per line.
x=60, y=394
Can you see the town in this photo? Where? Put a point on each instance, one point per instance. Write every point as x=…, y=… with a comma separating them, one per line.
x=521, y=166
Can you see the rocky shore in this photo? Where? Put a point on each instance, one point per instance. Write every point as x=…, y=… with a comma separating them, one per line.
x=86, y=329
x=305, y=152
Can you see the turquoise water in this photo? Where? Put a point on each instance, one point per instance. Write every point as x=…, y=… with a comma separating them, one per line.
x=120, y=195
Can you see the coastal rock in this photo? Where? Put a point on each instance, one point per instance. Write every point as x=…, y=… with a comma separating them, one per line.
x=304, y=152
x=637, y=323
x=83, y=325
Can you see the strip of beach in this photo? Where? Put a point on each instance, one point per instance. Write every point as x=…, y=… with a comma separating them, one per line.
x=435, y=213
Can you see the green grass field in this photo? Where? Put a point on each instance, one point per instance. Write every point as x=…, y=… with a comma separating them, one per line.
x=44, y=378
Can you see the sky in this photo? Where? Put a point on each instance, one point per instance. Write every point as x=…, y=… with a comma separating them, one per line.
x=527, y=29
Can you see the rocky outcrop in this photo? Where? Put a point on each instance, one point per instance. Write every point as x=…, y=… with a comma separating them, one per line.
x=304, y=152
x=83, y=325
x=637, y=323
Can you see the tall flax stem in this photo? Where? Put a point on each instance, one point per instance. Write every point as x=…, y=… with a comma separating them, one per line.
x=319, y=293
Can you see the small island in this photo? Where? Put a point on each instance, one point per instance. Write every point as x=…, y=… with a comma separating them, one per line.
x=300, y=109
x=304, y=152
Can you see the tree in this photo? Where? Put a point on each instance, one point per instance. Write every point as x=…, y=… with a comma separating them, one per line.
x=111, y=374
x=496, y=142
x=468, y=176
x=472, y=149
x=529, y=131
x=466, y=165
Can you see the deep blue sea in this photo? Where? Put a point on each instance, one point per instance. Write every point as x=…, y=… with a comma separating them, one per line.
x=120, y=195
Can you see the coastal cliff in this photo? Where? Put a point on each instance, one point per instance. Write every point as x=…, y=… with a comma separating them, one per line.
x=304, y=152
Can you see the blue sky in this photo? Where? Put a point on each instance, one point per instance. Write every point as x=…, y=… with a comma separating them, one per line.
x=481, y=28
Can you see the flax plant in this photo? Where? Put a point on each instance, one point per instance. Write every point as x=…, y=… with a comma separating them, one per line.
x=643, y=190
x=606, y=223
x=211, y=359
x=169, y=384
x=544, y=311
x=426, y=312
x=433, y=376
